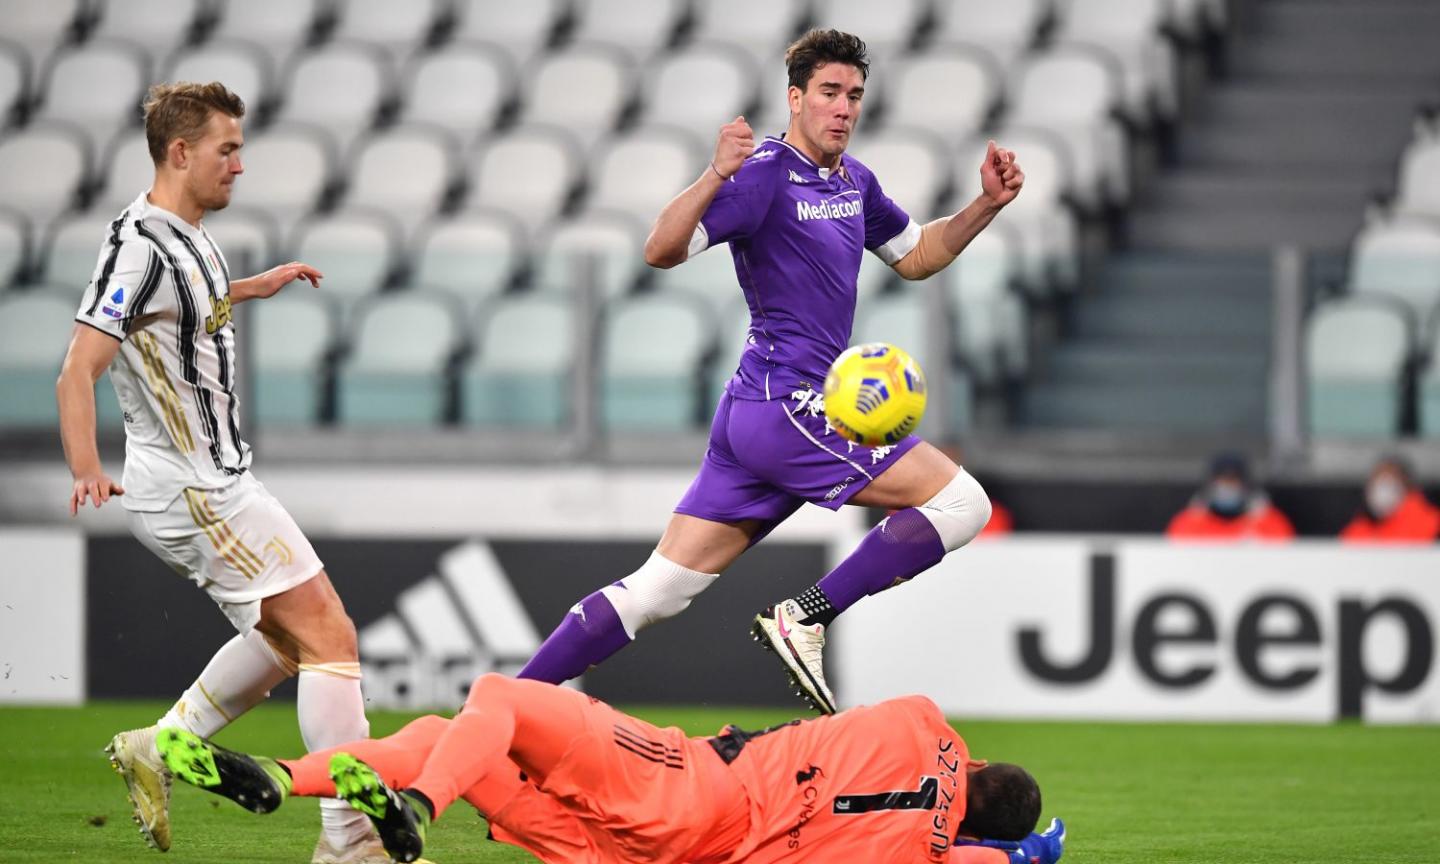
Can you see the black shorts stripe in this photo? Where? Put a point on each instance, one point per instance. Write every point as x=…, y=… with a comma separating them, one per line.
x=655, y=747
x=227, y=378
x=102, y=282
x=189, y=323
x=668, y=763
x=148, y=286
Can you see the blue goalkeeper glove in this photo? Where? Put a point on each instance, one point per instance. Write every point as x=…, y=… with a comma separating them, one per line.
x=1044, y=848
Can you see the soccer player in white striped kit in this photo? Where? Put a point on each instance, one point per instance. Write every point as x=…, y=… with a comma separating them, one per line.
x=157, y=314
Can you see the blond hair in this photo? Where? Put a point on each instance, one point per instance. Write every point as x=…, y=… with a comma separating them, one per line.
x=181, y=110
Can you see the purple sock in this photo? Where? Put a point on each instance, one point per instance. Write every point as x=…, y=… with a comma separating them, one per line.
x=897, y=549
x=590, y=633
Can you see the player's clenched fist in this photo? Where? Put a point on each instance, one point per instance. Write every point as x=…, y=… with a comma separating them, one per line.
x=1000, y=176
x=737, y=142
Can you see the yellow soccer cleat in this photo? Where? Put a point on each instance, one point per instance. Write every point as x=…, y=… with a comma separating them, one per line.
x=147, y=781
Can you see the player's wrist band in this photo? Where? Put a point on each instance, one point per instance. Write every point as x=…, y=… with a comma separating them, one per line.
x=717, y=172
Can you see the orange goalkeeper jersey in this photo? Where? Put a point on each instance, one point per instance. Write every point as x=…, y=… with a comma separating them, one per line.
x=879, y=783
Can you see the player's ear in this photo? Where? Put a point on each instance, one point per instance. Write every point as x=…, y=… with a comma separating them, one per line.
x=795, y=96
x=177, y=154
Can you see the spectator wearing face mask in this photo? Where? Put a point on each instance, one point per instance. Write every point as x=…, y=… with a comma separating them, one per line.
x=1395, y=509
x=1229, y=507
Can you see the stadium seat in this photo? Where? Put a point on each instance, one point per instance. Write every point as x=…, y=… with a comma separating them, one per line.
x=397, y=28
x=651, y=350
x=41, y=26
x=247, y=238
x=515, y=379
x=1070, y=92
x=709, y=276
x=1130, y=31
x=280, y=27
x=1429, y=384
x=1419, y=184
x=1041, y=216
x=875, y=276
x=642, y=27
x=406, y=171
x=472, y=258
x=551, y=95
x=699, y=89
x=732, y=330
x=287, y=169
x=290, y=334
x=43, y=168
x=901, y=318
x=521, y=30
x=1355, y=353
x=243, y=68
x=97, y=86
x=640, y=172
x=126, y=170
x=356, y=252
x=991, y=328
x=461, y=89
x=1401, y=260
x=1007, y=37
x=14, y=84
x=617, y=241
x=34, y=329
x=762, y=28
x=949, y=91
x=887, y=28
x=14, y=247
x=529, y=173
x=159, y=26
x=394, y=373
x=339, y=87
x=910, y=165
x=71, y=251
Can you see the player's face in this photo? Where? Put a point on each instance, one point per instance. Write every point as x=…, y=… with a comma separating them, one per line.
x=213, y=162
x=829, y=107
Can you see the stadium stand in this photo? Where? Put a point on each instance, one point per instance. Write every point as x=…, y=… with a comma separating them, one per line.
x=639, y=172
x=341, y=87
x=287, y=170
x=278, y=27
x=1419, y=183
x=691, y=90
x=43, y=169
x=159, y=26
x=642, y=28
x=407, y=172
x=616, y=239
x=587, y=112
x=514, y=379
x=14, y=248
x=71, y=253
x=473, y=258
x=911, y=165
x=651, y=354
x=522, y=30
x=950, y=91
x=244, y=68
x=529, y=173
x=294, y=334
x=39, y=27
x=990, y=317
x=1130, y=31
x=356, y=251
x=126, y=171
x=30, y=354
x=889, y=28
x=462, y=89
x=1355, y=354
x=97, y=87
x=1401, y=260
x=1006, y=37
x=399, y=29
x=393, y=374
x=1429, y=384
x=14, y=84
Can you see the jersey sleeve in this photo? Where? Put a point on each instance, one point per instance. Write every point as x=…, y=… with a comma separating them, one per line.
x=889, y=231
x=124, y=289
x=741, y=204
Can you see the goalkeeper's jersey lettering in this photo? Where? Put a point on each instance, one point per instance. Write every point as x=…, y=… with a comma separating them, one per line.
x=161, y=287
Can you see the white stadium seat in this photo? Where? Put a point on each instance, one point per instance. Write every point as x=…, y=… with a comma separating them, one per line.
x=1006, y=36
x=588, y=112
x=1429, y=386
x=886, y=28
x=709, y=275
x=461, y=89
x=244, y=69
x=97, y=86
x=398, y=28
x=14, y=247
x=990, y=318
x=1131, y=31
x=528, y=173
x=72, y=251
x=33, y=332
x=14, y=82
x=639, y=173
x=699, y=89
x=1355, y=352
x=761, y=27
x=286, y=170
x=522, y=30
x=1399, y=260
x=650, y=353
x=949, y=91
x=1419, y=184
x=732, y=329
x=247, y=238
x=471, y=258
x=394, y=373
x=291, y=334
x=41, y=26
x=158, y=25
x=405, y=171
x=280, y=27
x=339, y=87
x=126, y=171
x=617, y=241
x=42, y=168
x=355, y=251
x=911, y=166
x=642, y=27
x=514, y=379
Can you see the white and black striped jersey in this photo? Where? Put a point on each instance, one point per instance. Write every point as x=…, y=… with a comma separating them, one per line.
x=162, y=288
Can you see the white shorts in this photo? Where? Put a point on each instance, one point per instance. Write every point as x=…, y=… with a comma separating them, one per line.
x=237, y=543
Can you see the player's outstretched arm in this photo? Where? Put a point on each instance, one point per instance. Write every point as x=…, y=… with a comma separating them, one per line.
x=944, y=239
x=269, y=283
x=669, y=240
x=89, y=355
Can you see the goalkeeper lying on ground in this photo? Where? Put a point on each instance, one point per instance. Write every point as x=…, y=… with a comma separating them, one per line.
x=571, y=779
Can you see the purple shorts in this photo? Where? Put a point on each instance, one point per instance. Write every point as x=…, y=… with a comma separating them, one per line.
x=766, y=458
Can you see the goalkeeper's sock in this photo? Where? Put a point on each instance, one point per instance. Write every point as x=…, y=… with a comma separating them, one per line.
x=590, y=633
x=899, y=548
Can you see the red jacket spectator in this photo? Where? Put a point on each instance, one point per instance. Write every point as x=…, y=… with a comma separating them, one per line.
x=1395, y=509
x=1229, y=508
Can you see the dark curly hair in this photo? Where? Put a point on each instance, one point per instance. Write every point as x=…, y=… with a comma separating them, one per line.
x=819, y=47
x=1002, y=802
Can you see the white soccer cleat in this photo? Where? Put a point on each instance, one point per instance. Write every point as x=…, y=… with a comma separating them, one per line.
x=801, y=647
x=368, y=851
x=147, y=781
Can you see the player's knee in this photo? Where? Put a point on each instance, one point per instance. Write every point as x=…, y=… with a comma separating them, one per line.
x=660, y=589
x=959, y=511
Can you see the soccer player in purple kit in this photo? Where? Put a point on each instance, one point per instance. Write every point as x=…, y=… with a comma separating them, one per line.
x=798, y=213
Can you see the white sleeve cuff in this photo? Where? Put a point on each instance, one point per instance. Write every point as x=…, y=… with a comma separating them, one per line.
x=699, y=241
x=900, y=245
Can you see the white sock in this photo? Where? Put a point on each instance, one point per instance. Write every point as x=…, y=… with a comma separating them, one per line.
x=332, y=712
x=237, y=678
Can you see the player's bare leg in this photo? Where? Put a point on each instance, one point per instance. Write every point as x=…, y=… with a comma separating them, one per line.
x=937, y=508
x=688, y=558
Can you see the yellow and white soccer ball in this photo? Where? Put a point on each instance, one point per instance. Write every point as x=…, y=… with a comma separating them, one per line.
x=874, y=394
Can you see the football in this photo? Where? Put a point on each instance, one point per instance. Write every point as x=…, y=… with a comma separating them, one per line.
x=874, y=394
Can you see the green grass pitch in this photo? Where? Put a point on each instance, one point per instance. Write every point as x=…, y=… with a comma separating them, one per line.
x=1138, y=793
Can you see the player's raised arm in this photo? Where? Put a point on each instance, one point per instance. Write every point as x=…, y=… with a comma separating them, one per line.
x=90, y=354
x=269, y=283
x=669, y=241
x=942, y=240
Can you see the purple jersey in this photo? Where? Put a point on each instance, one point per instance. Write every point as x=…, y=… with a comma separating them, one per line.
x=796, y=232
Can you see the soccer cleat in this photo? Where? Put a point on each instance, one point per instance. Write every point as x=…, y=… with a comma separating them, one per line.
x=1043, y=848
x=256, y=783
x=800, y=647
x=147, y=782
x=400, y=820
